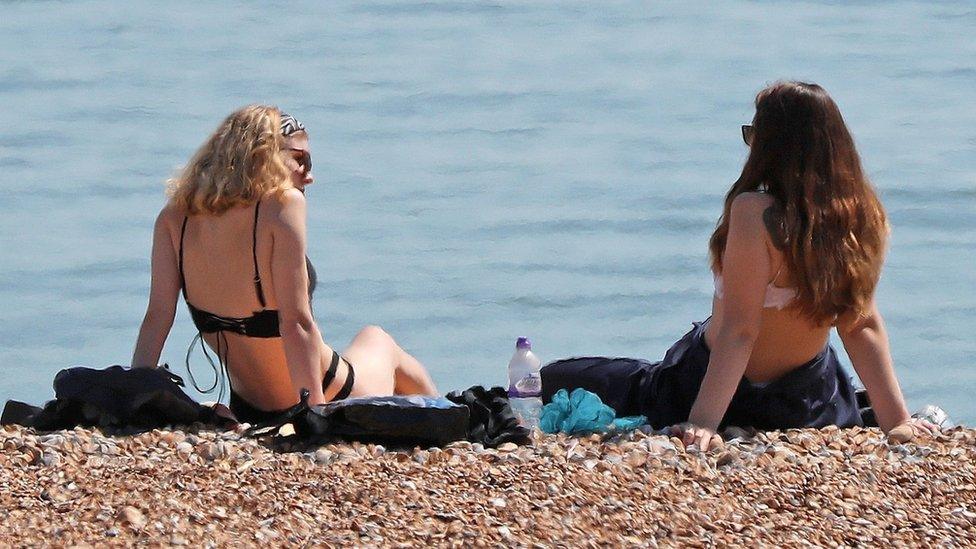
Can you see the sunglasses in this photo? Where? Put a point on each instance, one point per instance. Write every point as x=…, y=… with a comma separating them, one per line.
x=304, y=159
x=747, y=133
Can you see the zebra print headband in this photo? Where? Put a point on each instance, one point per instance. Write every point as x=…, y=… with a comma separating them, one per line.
x=290, y=125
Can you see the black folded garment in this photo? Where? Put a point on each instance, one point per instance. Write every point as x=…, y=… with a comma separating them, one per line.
x=117, y=397
x=491, y=421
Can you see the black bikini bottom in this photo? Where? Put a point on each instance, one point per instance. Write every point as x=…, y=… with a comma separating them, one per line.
x=247, y=413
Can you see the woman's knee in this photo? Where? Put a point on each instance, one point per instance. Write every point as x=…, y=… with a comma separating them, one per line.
x=373, y=332
x=376, y=337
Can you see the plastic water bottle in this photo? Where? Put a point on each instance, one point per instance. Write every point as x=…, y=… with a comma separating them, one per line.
x=525, y=384
x=934, y=414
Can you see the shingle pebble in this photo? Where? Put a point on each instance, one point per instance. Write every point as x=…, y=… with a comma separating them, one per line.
x=826, y=487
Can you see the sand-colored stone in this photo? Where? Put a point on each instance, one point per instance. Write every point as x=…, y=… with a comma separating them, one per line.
x=204, y=489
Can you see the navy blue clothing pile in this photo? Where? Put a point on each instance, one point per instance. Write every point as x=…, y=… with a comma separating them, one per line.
x=815, y=394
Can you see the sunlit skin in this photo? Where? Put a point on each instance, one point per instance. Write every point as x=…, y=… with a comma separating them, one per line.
x=763, y=344
x=294, y=145
x=267, y=372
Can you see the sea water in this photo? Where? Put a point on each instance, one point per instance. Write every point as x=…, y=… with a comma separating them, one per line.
x=452, y=136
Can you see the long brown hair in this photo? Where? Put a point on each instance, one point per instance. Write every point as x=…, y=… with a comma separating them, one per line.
x=828, y=220
x=236, y=166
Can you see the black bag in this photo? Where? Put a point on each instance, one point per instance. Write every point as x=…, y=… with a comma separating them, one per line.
x=118, y=397
x=394, y=421
x=391, y=420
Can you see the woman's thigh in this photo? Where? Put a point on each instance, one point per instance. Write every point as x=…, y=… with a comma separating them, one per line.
x=373, y=356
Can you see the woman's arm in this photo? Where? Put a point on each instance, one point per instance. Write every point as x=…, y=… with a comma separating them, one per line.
x=300, y=335
x=164, y=291
x=866, y=342
x=745, y=273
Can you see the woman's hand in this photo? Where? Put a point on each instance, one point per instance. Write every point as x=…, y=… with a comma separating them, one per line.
x=912, y=429
x=702, y=438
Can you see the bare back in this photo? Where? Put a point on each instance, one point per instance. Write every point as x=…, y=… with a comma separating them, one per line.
x=786, y=339
x=218, y=266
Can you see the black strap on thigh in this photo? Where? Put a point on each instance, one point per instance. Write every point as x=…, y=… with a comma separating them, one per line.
x=347, y=386
x=330, y=376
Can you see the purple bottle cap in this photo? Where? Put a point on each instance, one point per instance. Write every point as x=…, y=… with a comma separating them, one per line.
x=523, y=343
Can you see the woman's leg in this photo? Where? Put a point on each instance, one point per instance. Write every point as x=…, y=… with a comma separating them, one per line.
x=383, y=368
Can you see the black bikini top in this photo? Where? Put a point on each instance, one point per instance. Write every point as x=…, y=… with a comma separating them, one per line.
x=263, y=323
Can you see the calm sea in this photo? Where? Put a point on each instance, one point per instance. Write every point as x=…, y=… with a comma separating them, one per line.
x=485, y=170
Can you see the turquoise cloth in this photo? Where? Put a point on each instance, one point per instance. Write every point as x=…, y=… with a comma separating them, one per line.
x=583, y=412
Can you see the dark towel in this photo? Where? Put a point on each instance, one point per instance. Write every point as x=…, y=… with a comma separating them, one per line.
x=18, y=413
x=491, y=421
x=116, y=397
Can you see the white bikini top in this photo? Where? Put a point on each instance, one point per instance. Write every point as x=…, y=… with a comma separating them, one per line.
x=776, y=297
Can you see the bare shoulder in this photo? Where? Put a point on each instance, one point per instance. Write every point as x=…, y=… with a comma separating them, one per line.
x=751, y=204
x=287, y=207
x=746, y=216
x=759, y=214
x=170, y=217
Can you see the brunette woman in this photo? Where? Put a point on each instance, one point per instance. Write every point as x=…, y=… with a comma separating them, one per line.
x=797, y=252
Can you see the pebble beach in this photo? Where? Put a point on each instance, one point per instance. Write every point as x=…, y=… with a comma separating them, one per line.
x=202, y=488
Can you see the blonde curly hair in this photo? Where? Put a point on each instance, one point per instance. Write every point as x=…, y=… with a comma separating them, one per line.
x=236, y=166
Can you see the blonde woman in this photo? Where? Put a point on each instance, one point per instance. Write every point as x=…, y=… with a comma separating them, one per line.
x=797, y=251
x=232, y=239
